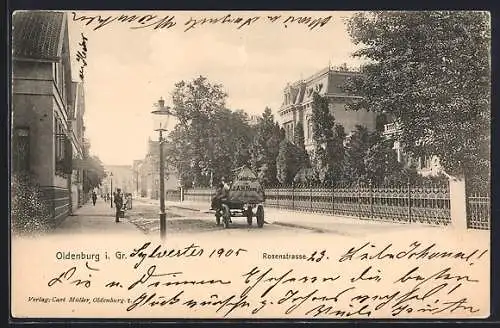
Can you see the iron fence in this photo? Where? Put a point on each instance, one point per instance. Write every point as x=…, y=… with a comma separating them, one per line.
x=478, y=211
x=173, y=195
x=405, y=203
x=199, y=195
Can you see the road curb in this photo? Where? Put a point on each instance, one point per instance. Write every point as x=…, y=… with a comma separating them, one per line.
x=186, y=208
x=293, y=225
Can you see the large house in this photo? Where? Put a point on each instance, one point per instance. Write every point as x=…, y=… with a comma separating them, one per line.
x=297, y=107
x=47, y=109
x=298, y=98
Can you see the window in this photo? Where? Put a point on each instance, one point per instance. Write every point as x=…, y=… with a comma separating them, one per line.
x=62, y=87
x=309, y=129
x=59, y=143
x=21, y=150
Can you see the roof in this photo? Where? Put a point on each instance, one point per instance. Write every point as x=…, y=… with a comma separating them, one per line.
x=37, y=34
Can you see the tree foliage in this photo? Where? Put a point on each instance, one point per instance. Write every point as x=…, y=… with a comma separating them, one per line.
x=94, y=171
x=328, y=153
x=288, y=162
x=299, y=142
x=306, y=176
x=381, y=162
x=431, y=72
x=197, y=105
x=209, y=139
x=357, y=146
x=230, y=141
x=265, y=148
x=298, y=136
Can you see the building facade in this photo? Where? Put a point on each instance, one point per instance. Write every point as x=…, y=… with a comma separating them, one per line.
x=76, y=131
x=148, y=173
x=297, y=107
x=47, y=109
x=298, y=98
x=425, y=165
x=136, y=167
x=118, y=176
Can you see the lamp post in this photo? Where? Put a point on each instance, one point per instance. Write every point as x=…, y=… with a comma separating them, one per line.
x=111, y=193
x=162, y=113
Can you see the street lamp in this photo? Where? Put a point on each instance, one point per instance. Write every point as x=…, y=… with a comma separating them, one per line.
x=111, y=193
x=162, y=115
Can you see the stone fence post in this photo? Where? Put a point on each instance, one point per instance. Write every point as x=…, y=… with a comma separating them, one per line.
x=458, y=203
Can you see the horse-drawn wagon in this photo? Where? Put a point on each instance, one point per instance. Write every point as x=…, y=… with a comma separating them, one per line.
x=245, y=199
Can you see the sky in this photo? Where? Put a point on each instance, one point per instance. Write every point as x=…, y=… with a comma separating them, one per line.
x=128, y=68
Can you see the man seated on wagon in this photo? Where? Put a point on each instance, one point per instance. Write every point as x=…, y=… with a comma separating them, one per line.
x=221, y=193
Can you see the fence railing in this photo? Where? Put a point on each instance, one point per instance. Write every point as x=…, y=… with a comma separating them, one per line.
x=173, y=195
x=199, y=194
x=478, y=211
x=405, y=203
x=429, y=204
x=424, y=204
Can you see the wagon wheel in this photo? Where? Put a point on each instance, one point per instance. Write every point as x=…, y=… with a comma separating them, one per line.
x=260, y=216
x=226, y=216
x=249, y=216
x=217, y=217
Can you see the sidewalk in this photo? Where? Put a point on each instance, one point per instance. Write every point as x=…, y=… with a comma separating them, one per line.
x=96, y=219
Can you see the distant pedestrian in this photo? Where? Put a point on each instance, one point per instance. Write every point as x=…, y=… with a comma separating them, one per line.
x=118, y=204
x=94, y=197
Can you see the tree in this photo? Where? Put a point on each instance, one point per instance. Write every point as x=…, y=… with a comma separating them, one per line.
x=431, y=71
x=298, y=136
x=381, y=160
x=197, y=100
x=265, y=148
x=299, y=141
x=306, y=176
x=357, y=147
x=195, y=103
x=328, y=139
x=231, y=139
x=210, y=140
x=94, y=172
x=287, y=162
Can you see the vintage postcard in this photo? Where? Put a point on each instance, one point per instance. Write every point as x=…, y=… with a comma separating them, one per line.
x=250, y=164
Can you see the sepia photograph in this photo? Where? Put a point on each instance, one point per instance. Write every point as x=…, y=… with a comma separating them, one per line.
x=250, y=164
